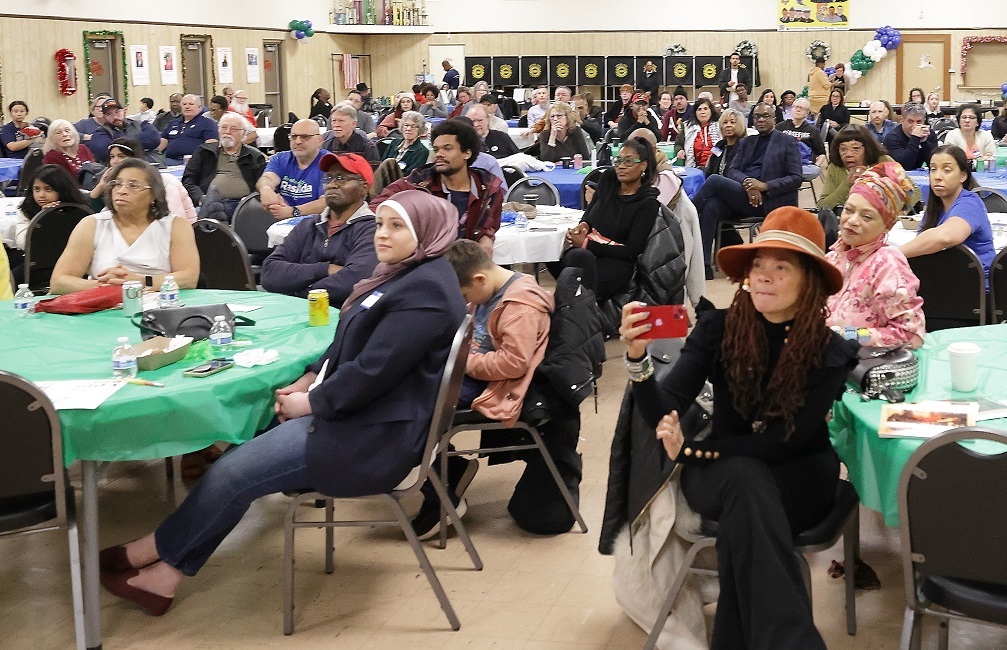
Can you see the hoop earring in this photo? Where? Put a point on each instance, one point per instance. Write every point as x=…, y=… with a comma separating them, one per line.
x=746, y=285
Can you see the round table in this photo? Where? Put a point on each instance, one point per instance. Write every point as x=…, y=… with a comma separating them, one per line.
x=568, y=182
x=993, y=180
x=542, y=242
x=142, y=422
x=10, y=169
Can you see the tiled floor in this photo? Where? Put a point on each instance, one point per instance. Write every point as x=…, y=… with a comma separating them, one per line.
x=535, y=593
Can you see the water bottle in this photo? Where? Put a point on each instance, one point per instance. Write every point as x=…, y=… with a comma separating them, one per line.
x=169, y=293
x=521, y=222
x=24, y=301
x=124, y=360
x=220, y=336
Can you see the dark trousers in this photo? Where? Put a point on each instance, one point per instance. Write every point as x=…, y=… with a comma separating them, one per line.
x=720, y=199
x=605, y=276
x=763, y=601
x=216, y=207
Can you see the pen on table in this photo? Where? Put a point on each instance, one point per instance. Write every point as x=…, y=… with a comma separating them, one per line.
x=144, y=382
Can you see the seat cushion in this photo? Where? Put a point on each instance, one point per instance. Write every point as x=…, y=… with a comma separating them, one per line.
x=26, y=511
x=979, y=600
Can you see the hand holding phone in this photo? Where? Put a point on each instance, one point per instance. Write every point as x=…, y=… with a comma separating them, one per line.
x=666, y=321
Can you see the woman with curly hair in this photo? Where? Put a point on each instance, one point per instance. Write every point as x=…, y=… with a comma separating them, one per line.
x=767, y=469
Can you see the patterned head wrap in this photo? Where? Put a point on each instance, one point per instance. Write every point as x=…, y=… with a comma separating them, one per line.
x=886, y=188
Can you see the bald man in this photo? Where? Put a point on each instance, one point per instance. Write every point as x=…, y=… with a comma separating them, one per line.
x=292, y=183
x=186, y=133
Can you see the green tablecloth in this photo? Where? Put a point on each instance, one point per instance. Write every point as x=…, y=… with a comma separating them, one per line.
x=142, y=422
x=875, y=463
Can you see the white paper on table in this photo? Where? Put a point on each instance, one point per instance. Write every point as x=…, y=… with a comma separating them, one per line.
x=86, y=394
x=241, y=309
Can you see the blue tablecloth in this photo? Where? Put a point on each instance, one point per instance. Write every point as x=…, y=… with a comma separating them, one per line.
x=568, y=182
x=994, y=180
x=10, y=168
x=512, y=124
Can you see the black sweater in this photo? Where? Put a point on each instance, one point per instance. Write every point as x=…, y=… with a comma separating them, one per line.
x=837, y=114
x=627, y=220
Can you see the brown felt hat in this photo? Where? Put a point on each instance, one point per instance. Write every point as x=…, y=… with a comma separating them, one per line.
x=787, y=228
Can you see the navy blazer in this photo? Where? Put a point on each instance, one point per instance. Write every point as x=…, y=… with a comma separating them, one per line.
x=372, y=411
x=781, y=168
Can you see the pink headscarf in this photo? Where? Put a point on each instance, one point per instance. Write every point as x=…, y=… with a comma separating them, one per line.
x=886, y=188
x=434, y=224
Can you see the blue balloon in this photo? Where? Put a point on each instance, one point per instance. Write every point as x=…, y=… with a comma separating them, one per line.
x=307, y=24
x=1003, y=88
x=830, y=71
x=896, y=41
x=299, y=34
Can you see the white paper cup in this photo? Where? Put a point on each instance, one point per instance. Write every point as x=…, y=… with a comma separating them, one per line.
x=964, y=358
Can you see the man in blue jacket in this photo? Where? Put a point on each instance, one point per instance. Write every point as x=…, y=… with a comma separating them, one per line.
x=335, y=249
x=117, y=125
x=764, y=175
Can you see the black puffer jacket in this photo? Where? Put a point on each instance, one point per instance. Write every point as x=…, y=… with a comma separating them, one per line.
x=659, y=277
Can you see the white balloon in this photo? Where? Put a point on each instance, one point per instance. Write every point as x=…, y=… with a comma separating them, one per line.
x=293, y=34
x=867, y=50
x=882, y=53
x=875, y=56
x=875, y=44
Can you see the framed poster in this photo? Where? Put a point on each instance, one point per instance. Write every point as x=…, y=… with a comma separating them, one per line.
x=167, y=58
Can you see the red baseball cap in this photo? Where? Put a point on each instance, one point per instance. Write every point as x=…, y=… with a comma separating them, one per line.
x=351, y=162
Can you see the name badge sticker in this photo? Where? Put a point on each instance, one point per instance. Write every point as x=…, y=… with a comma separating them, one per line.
x=716, y=151
x=371, y=299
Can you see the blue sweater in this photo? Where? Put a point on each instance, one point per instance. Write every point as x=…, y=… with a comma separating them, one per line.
x=301, y=262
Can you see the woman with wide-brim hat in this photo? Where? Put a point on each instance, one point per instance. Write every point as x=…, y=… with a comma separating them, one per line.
x=767, y=468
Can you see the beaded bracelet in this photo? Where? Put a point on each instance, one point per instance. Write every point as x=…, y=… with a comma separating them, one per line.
x=640, y=370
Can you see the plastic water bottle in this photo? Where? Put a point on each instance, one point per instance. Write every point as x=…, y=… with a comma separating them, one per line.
x=220, y=336
x=24, y=301
x=521, y=222
x=169, y=293
x=124, y=360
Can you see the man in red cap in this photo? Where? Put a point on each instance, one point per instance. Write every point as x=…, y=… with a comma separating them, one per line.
x=335, y=249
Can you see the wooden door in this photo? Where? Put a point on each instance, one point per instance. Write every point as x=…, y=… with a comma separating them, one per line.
x=923, y=61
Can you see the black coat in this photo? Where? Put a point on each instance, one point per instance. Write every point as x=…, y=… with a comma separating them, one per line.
x=202, y=168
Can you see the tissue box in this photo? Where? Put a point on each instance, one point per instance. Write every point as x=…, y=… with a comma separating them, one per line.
x=158, y=358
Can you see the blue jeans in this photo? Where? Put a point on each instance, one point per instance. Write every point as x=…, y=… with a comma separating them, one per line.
x=273, y=462
x=721, y=199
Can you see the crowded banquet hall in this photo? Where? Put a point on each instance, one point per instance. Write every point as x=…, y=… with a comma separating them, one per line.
x=571, y=326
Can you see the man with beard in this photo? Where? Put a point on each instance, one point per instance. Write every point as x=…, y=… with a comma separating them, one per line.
x=336, y=250
x=221, y=173
x=117, y=125
x=477, y=193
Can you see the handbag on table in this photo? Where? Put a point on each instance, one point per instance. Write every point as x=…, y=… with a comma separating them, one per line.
x=193, y=321
x=886, y=372
x=87, y=301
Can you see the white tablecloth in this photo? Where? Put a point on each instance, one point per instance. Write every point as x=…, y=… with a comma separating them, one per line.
x=543, y=242
x=519, y=140
x=265, y=137
x=9, y=215
x=903, y=233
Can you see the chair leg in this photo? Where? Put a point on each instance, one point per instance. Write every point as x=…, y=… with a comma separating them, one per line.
x=428, y=569
x=547, y=457
x=76, y=584
x=444, y=448
x=912, y=629
x=851, y=553
x=448, y=511
x=944, y=627
x=674, y=589
x=805, y=576
x=329, y=535
x=288, y=568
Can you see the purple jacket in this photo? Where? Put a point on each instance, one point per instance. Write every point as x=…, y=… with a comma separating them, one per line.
x=302, y=261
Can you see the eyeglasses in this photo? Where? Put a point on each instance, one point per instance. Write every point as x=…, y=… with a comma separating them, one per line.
x=625, y=161
x=298, y=137
x=408, y=125
x=762, y=116
x=130, y=186
x=339, y=179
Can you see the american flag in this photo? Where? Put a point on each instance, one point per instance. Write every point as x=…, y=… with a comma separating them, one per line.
x=351, y=71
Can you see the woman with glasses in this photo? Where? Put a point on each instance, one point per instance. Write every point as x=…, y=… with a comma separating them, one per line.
x=976, y=143
x=853, y=151
x=732, y=130
x=179, y=201
x=699, y=134
x=391, y=122
x=615, y=227
x=835, y=113
x=136, y=238
x=409, y=150
x=562, y=136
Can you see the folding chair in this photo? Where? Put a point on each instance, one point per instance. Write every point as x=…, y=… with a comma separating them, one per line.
x=447, y=398
x=843, y=520
x=953, y=287
x=545, y=193
x=29, y=168
x=994, y=200
x=48, y=233
x=952, y=528
x=250, y=221
x=223, y=260
x=35, y=494
x=512, y=175
x=809, y=173
x=592, y=176
x=998, y=288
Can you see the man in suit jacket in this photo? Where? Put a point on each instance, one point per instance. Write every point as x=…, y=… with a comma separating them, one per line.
x=764, y=175
x=733, y=76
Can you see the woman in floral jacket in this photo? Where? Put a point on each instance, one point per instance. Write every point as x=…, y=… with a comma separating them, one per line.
x=879, y=288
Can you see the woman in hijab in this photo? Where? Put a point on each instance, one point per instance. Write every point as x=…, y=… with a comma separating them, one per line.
x=879, y=288
x=354, y=424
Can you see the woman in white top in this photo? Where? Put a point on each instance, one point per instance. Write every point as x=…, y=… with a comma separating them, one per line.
x=134, y=239
x=975, y=142
x=179, y=202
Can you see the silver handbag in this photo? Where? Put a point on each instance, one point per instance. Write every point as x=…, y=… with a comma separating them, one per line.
x=883, y=368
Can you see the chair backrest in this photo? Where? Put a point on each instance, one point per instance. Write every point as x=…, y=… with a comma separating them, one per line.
x=942, y=126
x=29, y=168
x=998, y=288
x=223, y=260
x=250, y=222
x=31, y=469
x=952, y=285
x=48, y=233
x=592, y=176
x=447, y=396
x=512, y=175
x=546, y=192
x=386, y=173
x=994, y=200
x=382, y=145
x=948, y=494
x=281, y=137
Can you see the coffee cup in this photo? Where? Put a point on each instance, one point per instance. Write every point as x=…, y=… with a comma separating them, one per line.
x=964, y=359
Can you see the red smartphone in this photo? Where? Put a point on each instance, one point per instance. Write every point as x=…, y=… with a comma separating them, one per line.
x=667, y=321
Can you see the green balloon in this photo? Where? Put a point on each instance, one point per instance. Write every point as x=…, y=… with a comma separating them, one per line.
x=292, y=24
x=309, y=32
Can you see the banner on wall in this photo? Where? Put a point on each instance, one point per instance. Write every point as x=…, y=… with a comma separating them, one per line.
x=563, y=70
x=798, y=15
x=620, y=70
x=478, y=68
x=252, y=65
x=225, y=66
x=708, y=70
x=679, y=71
x=167, y=56
x=534, y=71
x=506, y=70
x=139, y=65
x=590, y=71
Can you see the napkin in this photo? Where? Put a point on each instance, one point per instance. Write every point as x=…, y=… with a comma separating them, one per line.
x=255, y=357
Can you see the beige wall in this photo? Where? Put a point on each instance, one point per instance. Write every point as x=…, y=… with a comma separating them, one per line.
x=27, y=46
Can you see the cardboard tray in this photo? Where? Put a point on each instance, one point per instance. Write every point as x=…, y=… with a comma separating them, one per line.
x=158, y=358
